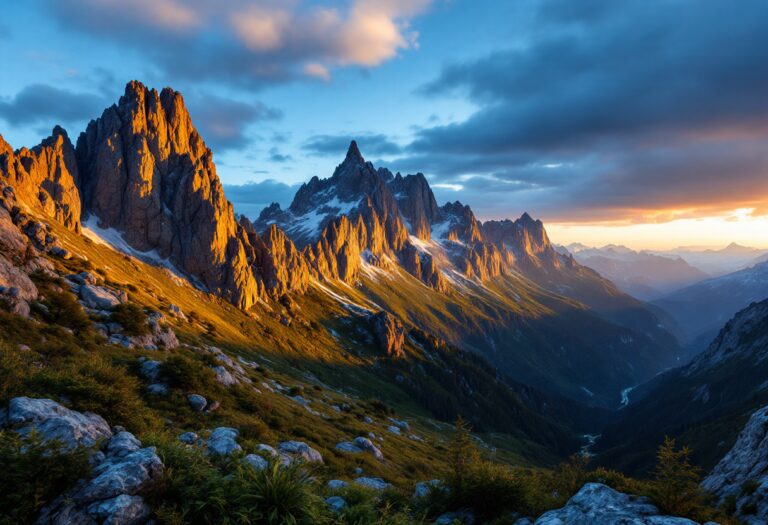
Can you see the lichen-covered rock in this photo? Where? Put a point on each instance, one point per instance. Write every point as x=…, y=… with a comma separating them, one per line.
x=100, y=297
x=336, y=503
x=377, y=484
x=747, y=461
x=197, y=402
x=53, y=421
x=256, y=462
x=223, y=441
x=389, y=332
x=598, y=504
x=112, y=495
x=299, y=450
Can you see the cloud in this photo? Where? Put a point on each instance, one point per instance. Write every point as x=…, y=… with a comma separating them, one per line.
x=250, y=43
x=639, y=110
x=250, y=198
x=276, y=156
x=223, y=123
x=370, y=144
x=44, y=104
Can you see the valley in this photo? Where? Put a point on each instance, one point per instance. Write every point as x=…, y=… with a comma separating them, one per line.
x=364, y=330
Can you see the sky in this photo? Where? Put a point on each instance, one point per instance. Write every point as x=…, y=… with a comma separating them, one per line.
x=640, y=122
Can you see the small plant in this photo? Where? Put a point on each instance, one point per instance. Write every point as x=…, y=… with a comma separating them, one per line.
x=33, y=472
x=132, y=318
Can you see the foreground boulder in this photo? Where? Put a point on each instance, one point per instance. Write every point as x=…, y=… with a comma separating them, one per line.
x=52, y=421
x=598, y=504
x=122, y=468
x=745, y=466
x=111, y=496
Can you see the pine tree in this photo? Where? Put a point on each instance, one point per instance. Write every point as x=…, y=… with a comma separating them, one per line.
x=676, y=480
x=463, y=455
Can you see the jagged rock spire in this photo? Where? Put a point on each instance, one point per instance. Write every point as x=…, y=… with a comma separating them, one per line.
x=353, y=153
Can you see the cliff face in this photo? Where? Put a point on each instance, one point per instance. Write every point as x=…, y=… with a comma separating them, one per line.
x=146, y=172
x=417, y=203
x=45, y=177
x=348, y=219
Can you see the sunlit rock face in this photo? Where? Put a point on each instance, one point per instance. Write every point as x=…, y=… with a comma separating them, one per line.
x=45, y=177
x=349, y=219
x=146, y=172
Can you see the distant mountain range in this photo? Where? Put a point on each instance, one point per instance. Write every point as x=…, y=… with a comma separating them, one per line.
x=641, y=274
x=700, y=310
x=142, y=177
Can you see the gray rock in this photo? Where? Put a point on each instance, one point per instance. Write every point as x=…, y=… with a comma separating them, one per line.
x=300, y=450
x=224, y=377
x=121, y=510
x=401, y=424
x=337, y=484
x=122, y=444
x=393, y=429
x=223, y=441
x=266, y=449
x=425, y=488
x=746, y=461
x=368, y=446
x=197, y=402
x=53, y=421
x=598, y=504
x=348, y=447
x=256, y=462
x=122, y=475
x=377, y=484
x=150, y=369
x=336, y=503
x=99, y=297
x=190, y=438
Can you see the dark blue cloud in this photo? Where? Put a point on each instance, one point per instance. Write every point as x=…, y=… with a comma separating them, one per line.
x=223, y=123
x=48, y=105
x=334, y=145
x=630, y=98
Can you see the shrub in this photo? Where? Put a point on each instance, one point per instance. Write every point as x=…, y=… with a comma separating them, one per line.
x=62, y=308
x=276, y=496
x=183, y=372
x=132, y=318
x=34, y=472
x=462, y=455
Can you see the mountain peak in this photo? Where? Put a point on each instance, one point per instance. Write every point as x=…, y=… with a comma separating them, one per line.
x=353, y=153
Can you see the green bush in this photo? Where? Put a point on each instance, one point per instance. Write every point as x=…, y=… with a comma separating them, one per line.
x=186, y=373
x=34, y=472
x=132, y=318
x=62, y=308
x=194, y=491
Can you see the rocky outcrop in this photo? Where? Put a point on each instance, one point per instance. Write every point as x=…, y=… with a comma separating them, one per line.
x=526, y=240
x=146, y=172
x=122, y=469
x=52, y=421
x=389, y=333
x=742, y=474
x=45, y=178
x=353, y=217
x=598, y=504
x=417, y=203
x=112, y=495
